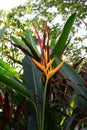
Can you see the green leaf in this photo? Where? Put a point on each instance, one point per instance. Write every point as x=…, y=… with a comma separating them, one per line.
x=32, y=124
x=32, y=77
x=31, y=41
x=7, y=69
x=82, y=103
x=19, y=43
x=2, y=32
x=61, y=43
x=33, y=50
x=32, y=120
x=4, y=72
x=16, y=85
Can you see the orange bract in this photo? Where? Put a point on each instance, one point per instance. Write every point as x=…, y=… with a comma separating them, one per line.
x=40, y=66
x=47, y=68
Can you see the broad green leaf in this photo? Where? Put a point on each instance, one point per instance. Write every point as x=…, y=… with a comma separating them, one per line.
x=32, y=77
x=82, y=102
x=61, y=43
x=7, y=68
x=31, y=41
x=16, y=85
x=19, y=43
x=34, y=52
x=2, y=32
x=32, y=120
x=32, y=124
x=4, y=72
x=16, y=97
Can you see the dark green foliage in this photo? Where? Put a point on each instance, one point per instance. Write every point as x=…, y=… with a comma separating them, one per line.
x=37, y=104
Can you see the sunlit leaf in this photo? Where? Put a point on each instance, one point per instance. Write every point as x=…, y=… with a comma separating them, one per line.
x=6, y=68
x=61, y=43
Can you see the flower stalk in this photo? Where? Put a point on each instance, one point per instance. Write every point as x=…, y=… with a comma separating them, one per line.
x=46, y=65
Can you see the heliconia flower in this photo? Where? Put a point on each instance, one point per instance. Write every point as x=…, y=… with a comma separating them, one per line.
x=47, y=67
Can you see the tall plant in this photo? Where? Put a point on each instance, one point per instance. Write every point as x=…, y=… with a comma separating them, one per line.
x=49, y=92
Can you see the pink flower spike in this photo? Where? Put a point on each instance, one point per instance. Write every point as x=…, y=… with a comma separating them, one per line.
x=38, y=36
x=45, y=27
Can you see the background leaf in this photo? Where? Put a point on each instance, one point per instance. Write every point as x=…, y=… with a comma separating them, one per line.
x=2, y=32
x=69, y=122
x=76, y=82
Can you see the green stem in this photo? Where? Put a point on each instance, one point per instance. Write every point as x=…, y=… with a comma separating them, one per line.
x=44, y=103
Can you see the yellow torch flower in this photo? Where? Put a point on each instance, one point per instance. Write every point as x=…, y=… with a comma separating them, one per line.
x=47, y=67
